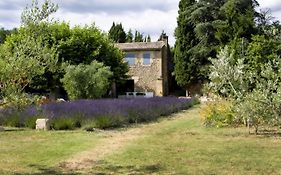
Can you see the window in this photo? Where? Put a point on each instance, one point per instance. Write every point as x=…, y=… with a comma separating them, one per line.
x=130, y=59
x=146, y=59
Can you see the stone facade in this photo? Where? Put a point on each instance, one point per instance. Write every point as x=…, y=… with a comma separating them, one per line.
x=153, y=75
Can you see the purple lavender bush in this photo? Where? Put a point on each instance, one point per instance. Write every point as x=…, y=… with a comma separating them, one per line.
x=103, y=113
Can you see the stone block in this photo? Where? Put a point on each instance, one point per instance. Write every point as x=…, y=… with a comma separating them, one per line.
x=42, y=124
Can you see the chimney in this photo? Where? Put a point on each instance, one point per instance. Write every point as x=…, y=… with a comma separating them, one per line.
x=164, y=38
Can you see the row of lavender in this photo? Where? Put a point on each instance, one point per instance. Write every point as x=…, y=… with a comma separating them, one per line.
x=102, y=113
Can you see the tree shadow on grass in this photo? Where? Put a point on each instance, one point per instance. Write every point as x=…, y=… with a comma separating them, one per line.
x=99, y=169
x=106, y=168
x=269, y=133
x=47, y=171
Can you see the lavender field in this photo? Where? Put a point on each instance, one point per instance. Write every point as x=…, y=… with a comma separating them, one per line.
x=104, y=113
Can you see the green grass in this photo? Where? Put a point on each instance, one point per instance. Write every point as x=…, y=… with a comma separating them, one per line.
x=29, y=152
x=177, y=145
x=183, y=146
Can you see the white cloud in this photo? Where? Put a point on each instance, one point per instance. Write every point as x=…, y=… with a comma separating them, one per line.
x=272, y=4
x=148, y=16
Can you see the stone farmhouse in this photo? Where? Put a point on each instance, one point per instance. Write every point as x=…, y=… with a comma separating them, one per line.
x=149, y=64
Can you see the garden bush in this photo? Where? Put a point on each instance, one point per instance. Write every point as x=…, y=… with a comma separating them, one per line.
x=63, y=123
x=218, y=113
x=87, y=81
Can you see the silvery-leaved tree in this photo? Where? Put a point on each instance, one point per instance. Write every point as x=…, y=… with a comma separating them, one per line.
x=227, y=74
x=87, y=81
x=36, y=14
x=262, y=105
x=24, y=56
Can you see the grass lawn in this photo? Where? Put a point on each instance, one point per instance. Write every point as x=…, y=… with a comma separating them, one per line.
x=182, y=146
x=177, y=145
x=29, y=152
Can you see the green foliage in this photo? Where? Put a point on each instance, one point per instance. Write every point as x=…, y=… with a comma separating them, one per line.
x=67, y=123
x=130, y=36
x=21, y=62
x=227, y=77
x=25, y=56
x=252, y=80
x=30, y=122
x=13, y=120
x=34, y=58
x=36, y=14
x=117, y=33
x=86, y=44
x=87, y=81
x=203, y=27
x=218, y=113
x=261, y=50
x=263, y=105
x=138, y=37
x=106, y=122
x=5, y=33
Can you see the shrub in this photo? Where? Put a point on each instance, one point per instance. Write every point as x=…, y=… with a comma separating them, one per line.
x=13, y=120
x=218, y=113
x=65, y=123
x=105, y=122
x=87, y=81
x=30, y=122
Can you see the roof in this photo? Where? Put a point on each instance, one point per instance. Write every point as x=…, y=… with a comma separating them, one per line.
x=141, y=46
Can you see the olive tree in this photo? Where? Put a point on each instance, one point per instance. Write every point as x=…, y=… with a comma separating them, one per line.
x=87, y=81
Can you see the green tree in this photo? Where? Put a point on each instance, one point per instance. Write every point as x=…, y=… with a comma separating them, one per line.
x=227, y=77
x=148, y=38
x=138, y=37
x=88, y=43
x=21, y=64
x=117, y=33
x=87, y=81
x=73, y=45
x=203, y=27
x=25, y=56
x=36, y=14
x=186, y=71
x=5, y=33
x=130, y=36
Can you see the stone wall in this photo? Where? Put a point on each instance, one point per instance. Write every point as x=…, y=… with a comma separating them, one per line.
x=148, y=77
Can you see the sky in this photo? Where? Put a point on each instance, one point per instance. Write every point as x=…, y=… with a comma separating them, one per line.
x=147, y=16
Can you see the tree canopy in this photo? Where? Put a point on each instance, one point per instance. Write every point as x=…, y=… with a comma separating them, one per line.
x=35, y=57
x=203, y=27
x=117, y=33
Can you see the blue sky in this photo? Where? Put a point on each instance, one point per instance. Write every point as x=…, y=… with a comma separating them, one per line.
x=147, y=16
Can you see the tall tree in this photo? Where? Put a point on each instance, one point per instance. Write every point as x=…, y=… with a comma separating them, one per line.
x=130, y=36
x=203, y=27
x=117, y=33
x=148, y=38
x=138, y=37
x=186, y=70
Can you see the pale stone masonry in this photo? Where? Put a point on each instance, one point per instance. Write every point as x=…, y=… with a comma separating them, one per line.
x=149, y=65
x=42, y=124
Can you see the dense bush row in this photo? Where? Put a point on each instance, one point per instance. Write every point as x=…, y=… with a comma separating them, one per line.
x=104, y=113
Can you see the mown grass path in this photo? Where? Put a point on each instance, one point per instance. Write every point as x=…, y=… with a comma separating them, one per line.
x=181, y=145
x=112, y=142
x=175, y=145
